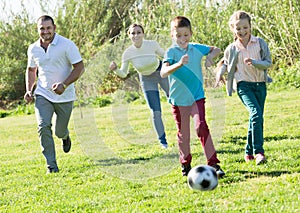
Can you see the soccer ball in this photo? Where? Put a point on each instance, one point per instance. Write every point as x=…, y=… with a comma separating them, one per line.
x=203, y=178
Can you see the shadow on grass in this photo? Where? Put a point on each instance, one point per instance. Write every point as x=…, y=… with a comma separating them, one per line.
x=248, y=174
x=138, y=160
x=281, y=137
x=243, y=175
x=241, y=140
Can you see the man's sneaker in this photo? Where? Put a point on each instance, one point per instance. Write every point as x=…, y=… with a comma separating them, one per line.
x=260, y=158
x=52, y=170
x=219, y=171
x=185, y=169
x=67, y=144
x=249, y=158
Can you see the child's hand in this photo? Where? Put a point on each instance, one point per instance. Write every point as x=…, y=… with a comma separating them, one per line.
x=248, y=61
x=113, y=66
x=209, y=61
x=218, y=80
x=184, y=59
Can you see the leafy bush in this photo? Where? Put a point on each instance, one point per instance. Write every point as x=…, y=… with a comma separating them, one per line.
x=289, y=76
x=99, y=29
x=102, y=101
x=15, y=39
x=3, y=113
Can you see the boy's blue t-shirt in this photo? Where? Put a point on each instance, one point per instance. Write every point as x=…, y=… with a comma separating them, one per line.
x=186, y=83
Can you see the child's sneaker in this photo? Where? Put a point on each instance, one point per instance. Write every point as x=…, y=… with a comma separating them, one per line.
x=185, y=169
x=249, y=158
x=260, y=158
x=219, y=171
x=164, y=145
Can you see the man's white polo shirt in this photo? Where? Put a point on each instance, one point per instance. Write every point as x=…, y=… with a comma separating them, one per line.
x=54, y=66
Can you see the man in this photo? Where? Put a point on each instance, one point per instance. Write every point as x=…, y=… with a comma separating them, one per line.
x=59, y=64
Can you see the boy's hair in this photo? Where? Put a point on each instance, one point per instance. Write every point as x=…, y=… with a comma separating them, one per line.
x=180, y=21
x=135, y=25
x=238, y=15
x=46, y=18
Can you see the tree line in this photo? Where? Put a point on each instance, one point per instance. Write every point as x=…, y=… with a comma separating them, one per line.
x=98, y=27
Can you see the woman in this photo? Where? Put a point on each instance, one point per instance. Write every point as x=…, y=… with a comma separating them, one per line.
x=143, y=55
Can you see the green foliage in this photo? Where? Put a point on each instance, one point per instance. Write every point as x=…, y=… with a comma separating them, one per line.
x=288, y=76
x=15, y=39
x=17, y=109
x=98, y=27
x=102, y=101
x=3, y=113
x=23, y=109
x=90, y=23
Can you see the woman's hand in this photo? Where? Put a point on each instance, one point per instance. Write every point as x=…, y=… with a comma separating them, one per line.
x=113, y=66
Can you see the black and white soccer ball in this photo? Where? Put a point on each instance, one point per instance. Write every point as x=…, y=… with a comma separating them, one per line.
x=203, y=178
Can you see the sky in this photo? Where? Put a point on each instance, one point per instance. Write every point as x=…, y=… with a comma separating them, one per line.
x=10, y=8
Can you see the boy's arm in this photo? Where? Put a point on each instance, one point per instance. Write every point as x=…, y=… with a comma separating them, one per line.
x=168, y=69
x=214, y=52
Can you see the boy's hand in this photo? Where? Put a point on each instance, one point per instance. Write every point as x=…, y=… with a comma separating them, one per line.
x=209, y=61
x=184, y=59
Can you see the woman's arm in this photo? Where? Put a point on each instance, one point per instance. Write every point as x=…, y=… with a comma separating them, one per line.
x=123, y=71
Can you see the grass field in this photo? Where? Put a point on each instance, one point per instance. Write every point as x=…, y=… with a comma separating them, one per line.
x=116, y=164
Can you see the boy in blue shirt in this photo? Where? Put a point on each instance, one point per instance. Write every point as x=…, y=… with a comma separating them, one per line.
x=182, y=65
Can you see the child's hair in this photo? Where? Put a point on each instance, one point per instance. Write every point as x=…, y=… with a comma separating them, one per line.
x=135, y=25
x=180, y=21
x=238, y=15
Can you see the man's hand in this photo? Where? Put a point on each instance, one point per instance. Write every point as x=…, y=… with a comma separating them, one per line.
x=28, y=97
x=59, y=88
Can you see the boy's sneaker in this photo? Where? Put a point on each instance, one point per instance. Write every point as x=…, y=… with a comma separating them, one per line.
x=249, y=158
x=164, y=145
x=185, y=169
x=219, y=171
x=260, y=158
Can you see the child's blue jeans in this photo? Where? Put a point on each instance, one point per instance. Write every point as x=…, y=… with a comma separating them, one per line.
x=253, y=96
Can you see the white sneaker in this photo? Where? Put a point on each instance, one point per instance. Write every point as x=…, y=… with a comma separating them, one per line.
x=164, y=145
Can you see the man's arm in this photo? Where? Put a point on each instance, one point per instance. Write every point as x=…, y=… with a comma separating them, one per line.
x=78, y=70
x=30, y=82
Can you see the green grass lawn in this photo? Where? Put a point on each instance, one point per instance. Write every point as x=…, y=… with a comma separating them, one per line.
x=117, y=165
